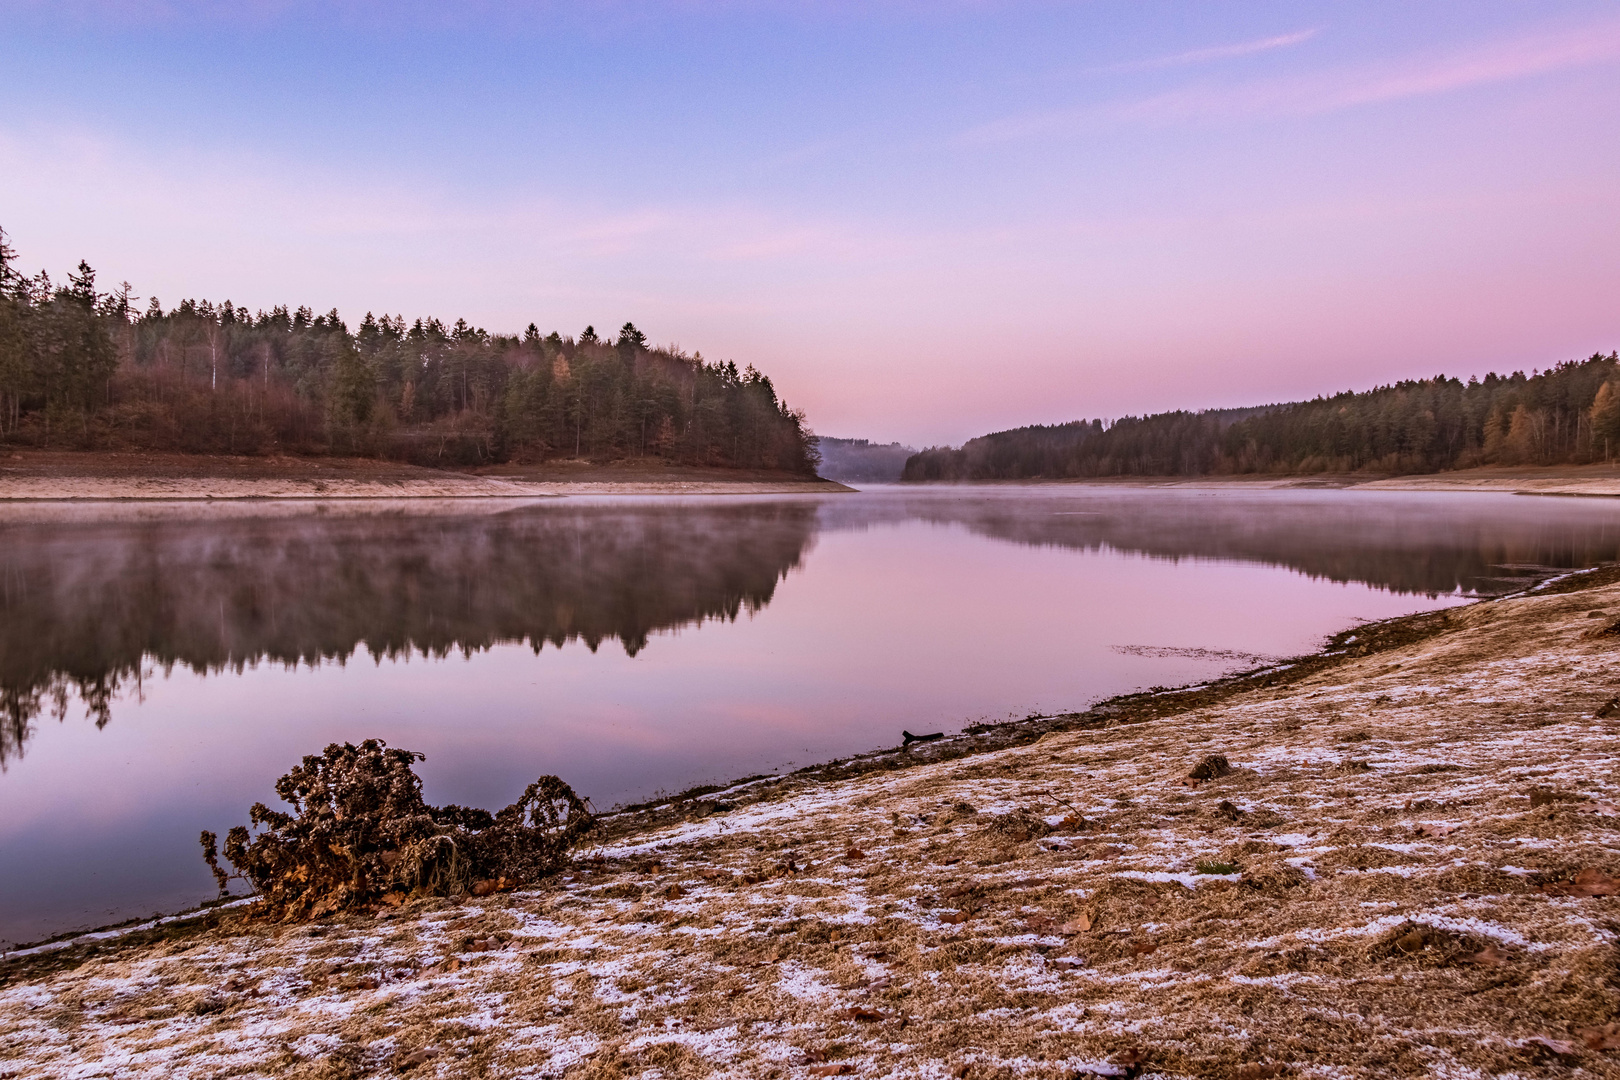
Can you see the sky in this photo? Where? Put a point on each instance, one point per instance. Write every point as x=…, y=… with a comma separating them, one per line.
x=924, y=220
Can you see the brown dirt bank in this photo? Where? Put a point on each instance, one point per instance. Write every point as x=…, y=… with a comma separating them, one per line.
x=72, y=475
x=1593, y=480
x=1401, y=868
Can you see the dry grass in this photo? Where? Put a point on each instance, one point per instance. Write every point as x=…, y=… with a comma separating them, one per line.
x=1387, y=882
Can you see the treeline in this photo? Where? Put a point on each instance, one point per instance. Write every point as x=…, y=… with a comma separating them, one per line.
x=1569, y=415
x=85, y=369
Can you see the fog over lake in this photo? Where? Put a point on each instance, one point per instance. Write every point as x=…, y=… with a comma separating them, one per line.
x=162, y=664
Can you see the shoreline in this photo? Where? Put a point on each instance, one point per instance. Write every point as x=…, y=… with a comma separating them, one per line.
x=1600, y=481
x=1401, y=868
x=38, y=476
x=35, y=476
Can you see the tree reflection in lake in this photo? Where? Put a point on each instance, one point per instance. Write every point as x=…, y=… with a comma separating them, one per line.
x=90, y=599
x=1407, y=542
x=87, y=605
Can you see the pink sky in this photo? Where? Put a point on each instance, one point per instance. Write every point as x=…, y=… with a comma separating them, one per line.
x=923, y=223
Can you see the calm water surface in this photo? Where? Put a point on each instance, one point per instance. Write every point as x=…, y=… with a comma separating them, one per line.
x=161, y=665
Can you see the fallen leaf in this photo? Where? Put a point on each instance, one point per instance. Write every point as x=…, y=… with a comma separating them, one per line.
x=864, y=1016
x=1601, y=809
x=1080, y=924
x=1491, y=956
x=954, y=918
x=1557, y=1046
x=416, y=1057
x=854, y=854
x=1606, y=1037
x=1141, y=948
x=1588, y=883
x=1434, y=828
x=842, y=1068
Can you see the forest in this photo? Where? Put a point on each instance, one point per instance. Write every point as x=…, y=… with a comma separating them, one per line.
x=85, y=369
x=1567, y=415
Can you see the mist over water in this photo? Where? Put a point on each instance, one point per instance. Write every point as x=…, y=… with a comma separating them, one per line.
x=161, y=665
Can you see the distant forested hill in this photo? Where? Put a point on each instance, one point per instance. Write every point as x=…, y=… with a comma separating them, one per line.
x=84, y=369
x=859, y=460
x=1567, y=415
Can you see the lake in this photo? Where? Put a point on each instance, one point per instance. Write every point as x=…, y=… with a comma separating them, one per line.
x=162, y=664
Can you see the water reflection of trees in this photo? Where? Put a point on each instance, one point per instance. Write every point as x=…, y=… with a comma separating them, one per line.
x=85, y=604
x=1405, y=542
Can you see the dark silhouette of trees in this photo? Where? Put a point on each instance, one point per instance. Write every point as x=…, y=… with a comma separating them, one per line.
x=82, y=369
x=1568, y=415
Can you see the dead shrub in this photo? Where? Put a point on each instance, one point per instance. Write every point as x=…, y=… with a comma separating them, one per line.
x=360, y=834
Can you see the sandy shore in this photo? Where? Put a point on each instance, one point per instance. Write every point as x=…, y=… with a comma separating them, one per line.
x=1589, y=480
x=1574, y=480
x=36, y=475
x=76, y=477
x=1405, y=872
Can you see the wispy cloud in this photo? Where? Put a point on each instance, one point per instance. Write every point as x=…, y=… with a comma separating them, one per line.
x=1214, y=52
x=1325, y=91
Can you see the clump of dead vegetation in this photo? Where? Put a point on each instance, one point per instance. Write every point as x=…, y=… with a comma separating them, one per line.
x=360, y=835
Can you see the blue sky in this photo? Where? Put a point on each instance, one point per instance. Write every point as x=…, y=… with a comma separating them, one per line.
x=925, y=221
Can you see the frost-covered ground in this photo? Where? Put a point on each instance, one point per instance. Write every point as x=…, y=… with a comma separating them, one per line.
x=1388, y=882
